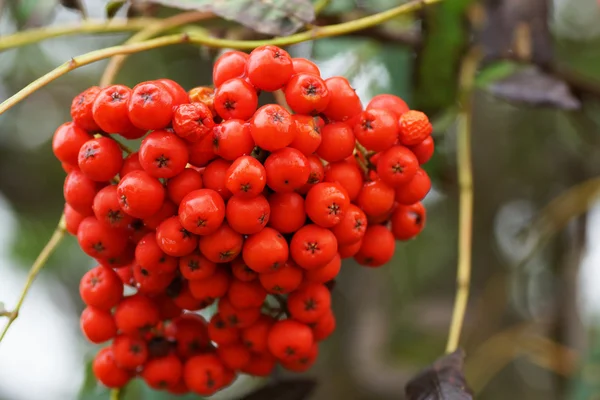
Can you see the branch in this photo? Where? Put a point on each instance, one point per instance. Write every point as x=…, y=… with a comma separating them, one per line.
x=90, y=26
x=465, y=181
x=312, y=34
x=116, y=62
x=38, y=264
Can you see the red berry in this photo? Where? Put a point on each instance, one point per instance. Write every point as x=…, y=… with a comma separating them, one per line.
x=201, y=152
x=241, y=271
x=129, y=353
x=326, y=204
x=196, y=266
x=415, y=190
x=265, y=251
x=234, y=356
x=247, y=216
x=163, y=154
x=287, y=212
x=287, y=170
x=136, y=314
x=166, y=306
x=174, y=239
x=272, y=127
x=269, y=68
x=107, y=209
x=309, y=303
x=110, y=109
x=79, y=192
x=232, y=139
x=211, y=288
x=202, y=211
x=255, y=336
x=229, y=65
x=97, y=325
x=140, y=194
x=414, y=128
x=324, y=326
x=408, y=221
x=308, y=133
x=221, y=246
x=337, y=142
x=246, y=177
x=193, y=121
x=100, y=159
x=107, y=371
x=149, y=255
x=349, y=250
x=347, y=174
x=304, y=363
x=285, y=279
x=186, y=300
x=180, y=96
x=307, y=94
x=66, y=142
x=235, y=98
x=289, y=340
x=72, y=219
x=313, y=246
x=388, y=102
x=81, y=109
x=376, y=198
x=377, y=247
x=191, y=334
x=423, y=150
x=304, y=66
x=168, y=209
x=100, y=241
x=260, y=365
x=101, y=288
x=325, y=273
x=352, y=227
x=150, y=106
x=243, y=295
x=316, y=175
x=181, y=185
x=131, y=163
x=162, y=372
x=343, y=102
x=204, y=374
x=220, y=333
x=377, y=129
x=397, y=166
x=235, y=317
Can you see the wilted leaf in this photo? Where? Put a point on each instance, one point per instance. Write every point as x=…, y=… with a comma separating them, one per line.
x=75, y=5
x=297, y=389
x=113, y=7
x=534, y=87
x=444, y=380
x=273, y=17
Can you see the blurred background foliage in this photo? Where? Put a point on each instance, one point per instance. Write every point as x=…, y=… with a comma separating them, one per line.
x=531, y=328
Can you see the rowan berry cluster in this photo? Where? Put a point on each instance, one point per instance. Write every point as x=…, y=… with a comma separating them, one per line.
x=225, y=202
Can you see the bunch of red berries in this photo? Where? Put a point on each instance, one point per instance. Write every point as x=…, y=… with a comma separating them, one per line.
x=223, y=202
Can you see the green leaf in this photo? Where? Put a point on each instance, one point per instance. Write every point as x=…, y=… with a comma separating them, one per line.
x=273, y=17
x=113, y=7
x=495, y=72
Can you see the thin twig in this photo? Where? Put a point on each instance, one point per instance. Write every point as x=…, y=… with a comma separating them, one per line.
x=90, y=26
x=465, y=182
x=315, y=33
x=116, y=62
x=115, y=394
x=57, y=236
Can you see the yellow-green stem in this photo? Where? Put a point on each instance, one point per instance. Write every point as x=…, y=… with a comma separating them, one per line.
x=116, y=62
x=38, y=264
x=315, y=33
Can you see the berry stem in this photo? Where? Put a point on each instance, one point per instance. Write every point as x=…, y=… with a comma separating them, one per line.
x=115, y=394
x=123, y=146
x=116, y=62
x=465, y=212
x=204, y=39
x=38, y=264
x=280, y=99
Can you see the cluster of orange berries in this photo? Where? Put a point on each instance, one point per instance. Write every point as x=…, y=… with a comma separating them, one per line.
x=225, y=202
